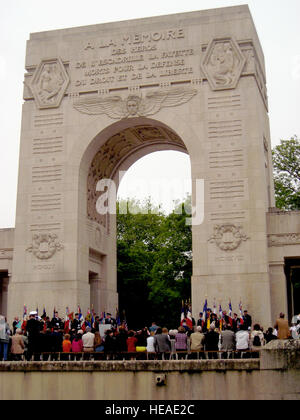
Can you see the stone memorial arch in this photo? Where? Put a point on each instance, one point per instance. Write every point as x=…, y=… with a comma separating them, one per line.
x=98, y=98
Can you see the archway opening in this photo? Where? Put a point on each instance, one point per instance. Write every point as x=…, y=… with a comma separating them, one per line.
x=154, y=244
x=292, y=272
x=4, y=280
x=116, y=154
x=164, y=177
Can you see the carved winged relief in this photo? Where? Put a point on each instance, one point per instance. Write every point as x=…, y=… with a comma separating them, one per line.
x=116, y=107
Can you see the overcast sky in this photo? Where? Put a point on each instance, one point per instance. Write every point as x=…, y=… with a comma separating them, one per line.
x=278, y=28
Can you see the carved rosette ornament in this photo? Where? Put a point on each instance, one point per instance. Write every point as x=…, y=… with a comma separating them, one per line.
x=116, y=107
x=223, y=64
x=44, y=245
x=228, y=237
x=49, y=83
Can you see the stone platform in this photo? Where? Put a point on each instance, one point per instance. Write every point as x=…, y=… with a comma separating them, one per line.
x=275, y=376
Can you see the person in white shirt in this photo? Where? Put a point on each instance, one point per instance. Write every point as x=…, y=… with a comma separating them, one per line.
x=242, y=338
x=88, y=340
x=150, y=343
x=150, y=346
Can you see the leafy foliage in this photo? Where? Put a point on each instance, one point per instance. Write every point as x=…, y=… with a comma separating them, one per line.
x=286, y=162
x=154, y=264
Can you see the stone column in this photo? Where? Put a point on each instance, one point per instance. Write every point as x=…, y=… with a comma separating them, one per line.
x=278, y=287
x=4, y=291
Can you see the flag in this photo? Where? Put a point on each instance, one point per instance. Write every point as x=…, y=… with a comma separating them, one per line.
x=220, y=316
x=189, y=318
x=79, y=312
x=125, y=321
x=67, y=326
x=88, y=318
x=24, y=323
x=44, y=313
x=205, y=310
x=215, y=308
x=230, y=312
x=182, y=315
x=220, y=312
x=241, y=313
x=230, y=309
x=93, y=316
x=24, y=312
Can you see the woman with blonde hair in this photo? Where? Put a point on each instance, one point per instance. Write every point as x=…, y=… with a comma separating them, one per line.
x=99, y=347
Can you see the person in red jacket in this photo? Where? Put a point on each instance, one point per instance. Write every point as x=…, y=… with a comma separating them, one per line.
x=131, y=342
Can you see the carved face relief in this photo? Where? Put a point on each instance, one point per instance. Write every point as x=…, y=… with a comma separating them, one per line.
x=223, y=64
x=49, y=83
x=132, y=105
x=44, y=245
x=228, y=237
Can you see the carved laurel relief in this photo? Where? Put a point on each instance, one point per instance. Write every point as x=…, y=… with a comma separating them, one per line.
x=223, y=64
x=133, y=106
x=44, y=245
x=228, y=237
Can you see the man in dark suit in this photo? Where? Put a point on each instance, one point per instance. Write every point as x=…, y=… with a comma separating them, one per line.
x=76, y=323
x=211, y=342
x=247, y=320
x=109, y=320
x=235, y=323
x=33, y=328
x=56, y=322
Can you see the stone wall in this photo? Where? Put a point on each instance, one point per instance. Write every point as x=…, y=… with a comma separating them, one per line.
x=276, y=375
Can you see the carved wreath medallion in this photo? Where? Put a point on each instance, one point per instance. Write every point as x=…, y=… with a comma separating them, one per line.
x=44, y=245
x=228, y=237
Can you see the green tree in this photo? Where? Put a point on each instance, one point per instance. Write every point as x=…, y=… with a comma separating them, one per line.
x=286, y=162
x=154, y=264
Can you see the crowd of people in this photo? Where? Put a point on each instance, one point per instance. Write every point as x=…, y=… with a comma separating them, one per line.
x=210, y=337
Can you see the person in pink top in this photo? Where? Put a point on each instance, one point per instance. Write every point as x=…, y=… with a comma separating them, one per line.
x=77, y=344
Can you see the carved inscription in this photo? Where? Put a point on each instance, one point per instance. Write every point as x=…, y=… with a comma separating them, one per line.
x=132, y=58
